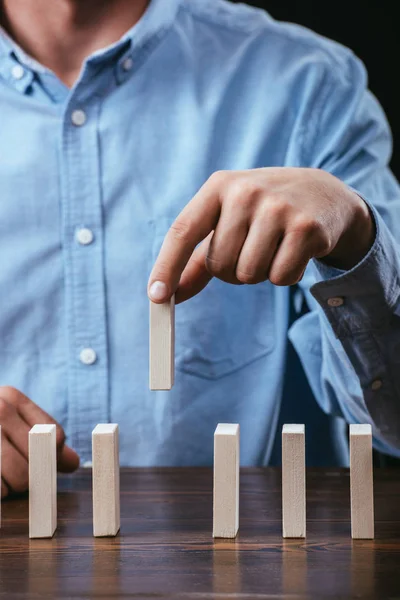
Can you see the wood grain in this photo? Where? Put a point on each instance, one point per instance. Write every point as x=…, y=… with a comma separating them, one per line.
x=105, y=480
x=42, y=481
x=361, y=482
x=226, y=480
x=293, y=481
x=162, y=345
x=165, y=548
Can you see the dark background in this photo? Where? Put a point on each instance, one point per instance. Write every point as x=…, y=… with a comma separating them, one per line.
x=367, y=27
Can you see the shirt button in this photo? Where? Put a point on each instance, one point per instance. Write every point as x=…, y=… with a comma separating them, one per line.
x=335, y=302
x=376, y=385
x=87, y=464
x=78, y=117
x=84, y=236
x=127, y=64
x=88, y=356
x=18, y=72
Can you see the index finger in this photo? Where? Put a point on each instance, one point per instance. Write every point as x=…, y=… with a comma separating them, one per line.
x=30, y=412
x=193, y=224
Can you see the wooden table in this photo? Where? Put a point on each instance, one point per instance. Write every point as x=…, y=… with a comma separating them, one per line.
x=165, y=548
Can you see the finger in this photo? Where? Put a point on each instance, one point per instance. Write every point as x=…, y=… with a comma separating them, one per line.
x=14, y=468
x=68, y=460
x=32, y=414
x=16, y=429
x=4, y=490
x=195, y=277
x=291, y=260
x=194, y=223
x=258, y=251
x=28, y=410
x=226, y=243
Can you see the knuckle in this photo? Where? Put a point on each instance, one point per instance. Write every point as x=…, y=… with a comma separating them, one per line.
x=275, y=209
x=11, y=394
x=322, y=242
x=5, y=409
x=315, y=235
x=180, y=230
x=280, y=278
x=243, y=192
x=218, y=178
x=225, y=271
x=216, y=267
x=321, y=246
x=248, y=276
x=309, y=227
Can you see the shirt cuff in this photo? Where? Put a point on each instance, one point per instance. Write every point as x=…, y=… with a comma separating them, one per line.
x=365, y=297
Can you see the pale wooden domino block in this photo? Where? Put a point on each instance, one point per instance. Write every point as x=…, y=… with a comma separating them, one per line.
x=162, y=345
x=293, y=481
x=361, y=482
x=226, y=481
x=105, y=473
x=42, y=481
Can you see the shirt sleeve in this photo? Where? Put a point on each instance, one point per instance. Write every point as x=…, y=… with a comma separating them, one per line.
x=349, y=342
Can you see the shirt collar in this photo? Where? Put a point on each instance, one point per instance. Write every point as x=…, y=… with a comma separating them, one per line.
x=9, y=47
x=12, y=57
x=139, y=40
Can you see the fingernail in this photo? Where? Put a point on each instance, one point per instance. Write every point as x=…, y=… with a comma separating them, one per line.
x=158, y=291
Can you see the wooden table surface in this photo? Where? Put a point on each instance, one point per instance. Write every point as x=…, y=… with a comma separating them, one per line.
x=165, y=548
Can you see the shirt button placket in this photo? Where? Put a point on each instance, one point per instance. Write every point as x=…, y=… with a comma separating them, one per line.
x=84, y=269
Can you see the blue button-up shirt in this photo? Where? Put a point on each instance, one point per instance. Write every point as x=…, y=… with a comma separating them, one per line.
x=91, y=179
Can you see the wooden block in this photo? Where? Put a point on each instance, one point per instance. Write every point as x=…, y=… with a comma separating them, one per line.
x=162, y=345
x=226, y=481
x=361, y=482
x=293, y=481
x=105, y=473
x=42, y=481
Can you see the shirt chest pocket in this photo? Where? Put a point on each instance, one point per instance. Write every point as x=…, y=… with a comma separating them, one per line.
x=223, y=328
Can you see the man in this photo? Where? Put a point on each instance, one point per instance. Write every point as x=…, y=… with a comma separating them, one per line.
x=113, y=115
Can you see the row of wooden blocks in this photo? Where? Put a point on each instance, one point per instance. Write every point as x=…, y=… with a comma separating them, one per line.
x=226, y=481
x=226, y=452
x=106, y=483
x=43, y=480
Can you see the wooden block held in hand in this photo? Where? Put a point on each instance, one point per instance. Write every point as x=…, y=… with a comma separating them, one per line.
x=162, y=345
x=42, y=481
x=293, y=481
x=105, y=474
x=226, y=481
x=361, y=482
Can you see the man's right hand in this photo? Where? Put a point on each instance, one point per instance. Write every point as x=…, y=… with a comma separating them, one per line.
x=17, y=415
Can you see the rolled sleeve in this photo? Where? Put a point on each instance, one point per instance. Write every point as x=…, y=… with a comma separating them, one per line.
x=364, y=298
x=361, y=307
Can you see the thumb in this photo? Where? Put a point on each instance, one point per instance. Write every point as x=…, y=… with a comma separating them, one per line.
x=68, y=460
x=195, y=276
